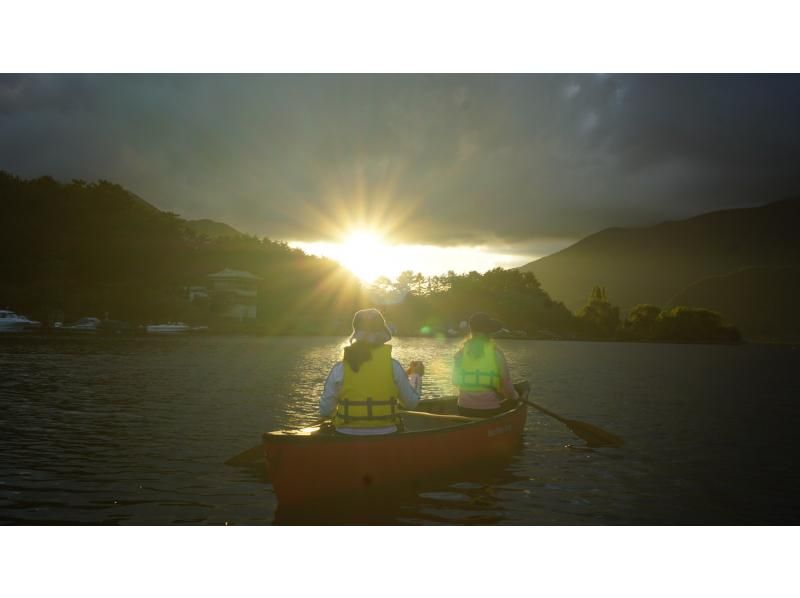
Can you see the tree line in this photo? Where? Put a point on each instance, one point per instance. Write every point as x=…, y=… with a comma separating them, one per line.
x=70, y=250
x=94, y=249
x=439, y=305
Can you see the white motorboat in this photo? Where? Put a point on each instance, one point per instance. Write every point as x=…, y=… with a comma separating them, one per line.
x=169, y=328
x=11, y=322
x=82, y=326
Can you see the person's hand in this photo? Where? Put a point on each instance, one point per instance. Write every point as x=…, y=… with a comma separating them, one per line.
x=417, y=367
x=415, y=372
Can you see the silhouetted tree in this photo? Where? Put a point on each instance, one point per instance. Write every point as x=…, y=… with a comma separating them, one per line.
x=642, y=321
x=691, y=324
x=598, y=318
x=515, y=297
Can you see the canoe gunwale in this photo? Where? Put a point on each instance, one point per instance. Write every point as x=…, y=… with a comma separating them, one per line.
x=309, y=469
x=281, y=437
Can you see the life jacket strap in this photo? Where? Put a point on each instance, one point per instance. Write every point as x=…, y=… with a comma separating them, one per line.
x=369, y=404
x=477, y=376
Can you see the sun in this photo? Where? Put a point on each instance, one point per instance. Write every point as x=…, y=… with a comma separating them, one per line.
x=365, y=254
x=368, y=253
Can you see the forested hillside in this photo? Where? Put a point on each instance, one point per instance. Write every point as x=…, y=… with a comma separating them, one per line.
x=762, y=301
x=652, y=265
x=94, y=249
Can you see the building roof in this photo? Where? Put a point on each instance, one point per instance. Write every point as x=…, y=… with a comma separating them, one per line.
x=228, y=273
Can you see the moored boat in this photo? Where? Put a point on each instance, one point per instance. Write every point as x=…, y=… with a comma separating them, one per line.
x=169, y=328
x=83, y=326
x=175, y=328
x=11, y=322
x=314, y=463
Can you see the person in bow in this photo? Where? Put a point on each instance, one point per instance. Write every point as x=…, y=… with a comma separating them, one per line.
x=480, y=371
x=364, y=390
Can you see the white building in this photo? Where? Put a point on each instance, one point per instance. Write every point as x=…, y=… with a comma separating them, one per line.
x=234, y=293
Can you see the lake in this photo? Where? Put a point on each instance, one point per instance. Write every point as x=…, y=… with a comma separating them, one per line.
x=135, y=431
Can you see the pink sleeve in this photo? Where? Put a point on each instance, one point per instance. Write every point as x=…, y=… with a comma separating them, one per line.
x=506, y=384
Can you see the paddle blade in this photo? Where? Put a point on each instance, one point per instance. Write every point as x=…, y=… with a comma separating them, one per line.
x=247, y=457
x=594, y=436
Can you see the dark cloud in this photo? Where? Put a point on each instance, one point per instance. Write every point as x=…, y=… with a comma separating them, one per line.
x=447, y=159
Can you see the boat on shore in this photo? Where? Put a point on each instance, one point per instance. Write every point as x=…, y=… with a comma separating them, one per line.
x=169, y=328
x=12, y=322
x=86, y=325
x=312, y=464
x=174, y=328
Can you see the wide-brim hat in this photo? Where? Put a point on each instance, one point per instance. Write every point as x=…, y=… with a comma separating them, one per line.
x=484, y=324
x=370, y=327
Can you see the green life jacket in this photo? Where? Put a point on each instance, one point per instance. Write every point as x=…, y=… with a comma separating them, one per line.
x=368, y=398
x=477, y=373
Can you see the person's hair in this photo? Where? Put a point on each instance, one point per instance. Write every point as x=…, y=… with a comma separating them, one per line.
x=357, y=353
x=476, y=344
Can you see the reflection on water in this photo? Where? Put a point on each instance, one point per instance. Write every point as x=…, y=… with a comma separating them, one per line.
x=466, y=498
x=103, y=430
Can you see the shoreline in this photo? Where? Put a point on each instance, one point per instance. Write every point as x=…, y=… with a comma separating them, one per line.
x=144, y=335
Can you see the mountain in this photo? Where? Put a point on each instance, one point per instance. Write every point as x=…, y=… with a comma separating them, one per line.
x=655, y=264
x=82, y=249
x=204, y=226
x=212, y=229
x=761, y=301
x=137, y=200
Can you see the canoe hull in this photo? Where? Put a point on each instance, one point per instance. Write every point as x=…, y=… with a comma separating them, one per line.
x=309, y=468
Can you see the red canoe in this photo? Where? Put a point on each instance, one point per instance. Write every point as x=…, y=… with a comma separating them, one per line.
x=313, y=464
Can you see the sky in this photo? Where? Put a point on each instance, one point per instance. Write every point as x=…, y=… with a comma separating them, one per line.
x=454, y=172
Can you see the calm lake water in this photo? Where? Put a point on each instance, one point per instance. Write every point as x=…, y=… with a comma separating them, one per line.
x=135, y=431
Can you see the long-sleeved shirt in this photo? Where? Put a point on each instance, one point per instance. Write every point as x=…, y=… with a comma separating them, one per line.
x=333, y=386
x=488, y=399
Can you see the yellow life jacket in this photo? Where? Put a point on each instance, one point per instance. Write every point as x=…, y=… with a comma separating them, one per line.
x=368, y=398
x=477, y=373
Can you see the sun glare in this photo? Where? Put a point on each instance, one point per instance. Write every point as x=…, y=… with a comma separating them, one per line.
x=365, y=254
x=368, y=255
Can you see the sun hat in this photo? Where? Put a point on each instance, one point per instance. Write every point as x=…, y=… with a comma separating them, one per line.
x=482, y=323
x=370, y=327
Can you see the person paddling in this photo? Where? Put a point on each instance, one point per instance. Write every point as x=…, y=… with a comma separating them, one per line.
x=363, y=390
x=480, y=372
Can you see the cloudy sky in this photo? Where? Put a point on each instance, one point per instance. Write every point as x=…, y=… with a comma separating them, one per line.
x=517, y=165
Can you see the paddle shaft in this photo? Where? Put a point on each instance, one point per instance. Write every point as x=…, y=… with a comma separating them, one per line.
x=254, y=453
x=545, y=411
x=593, y=435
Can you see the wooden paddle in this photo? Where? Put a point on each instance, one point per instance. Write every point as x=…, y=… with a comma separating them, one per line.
x=251, y=455
x=594, y=436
